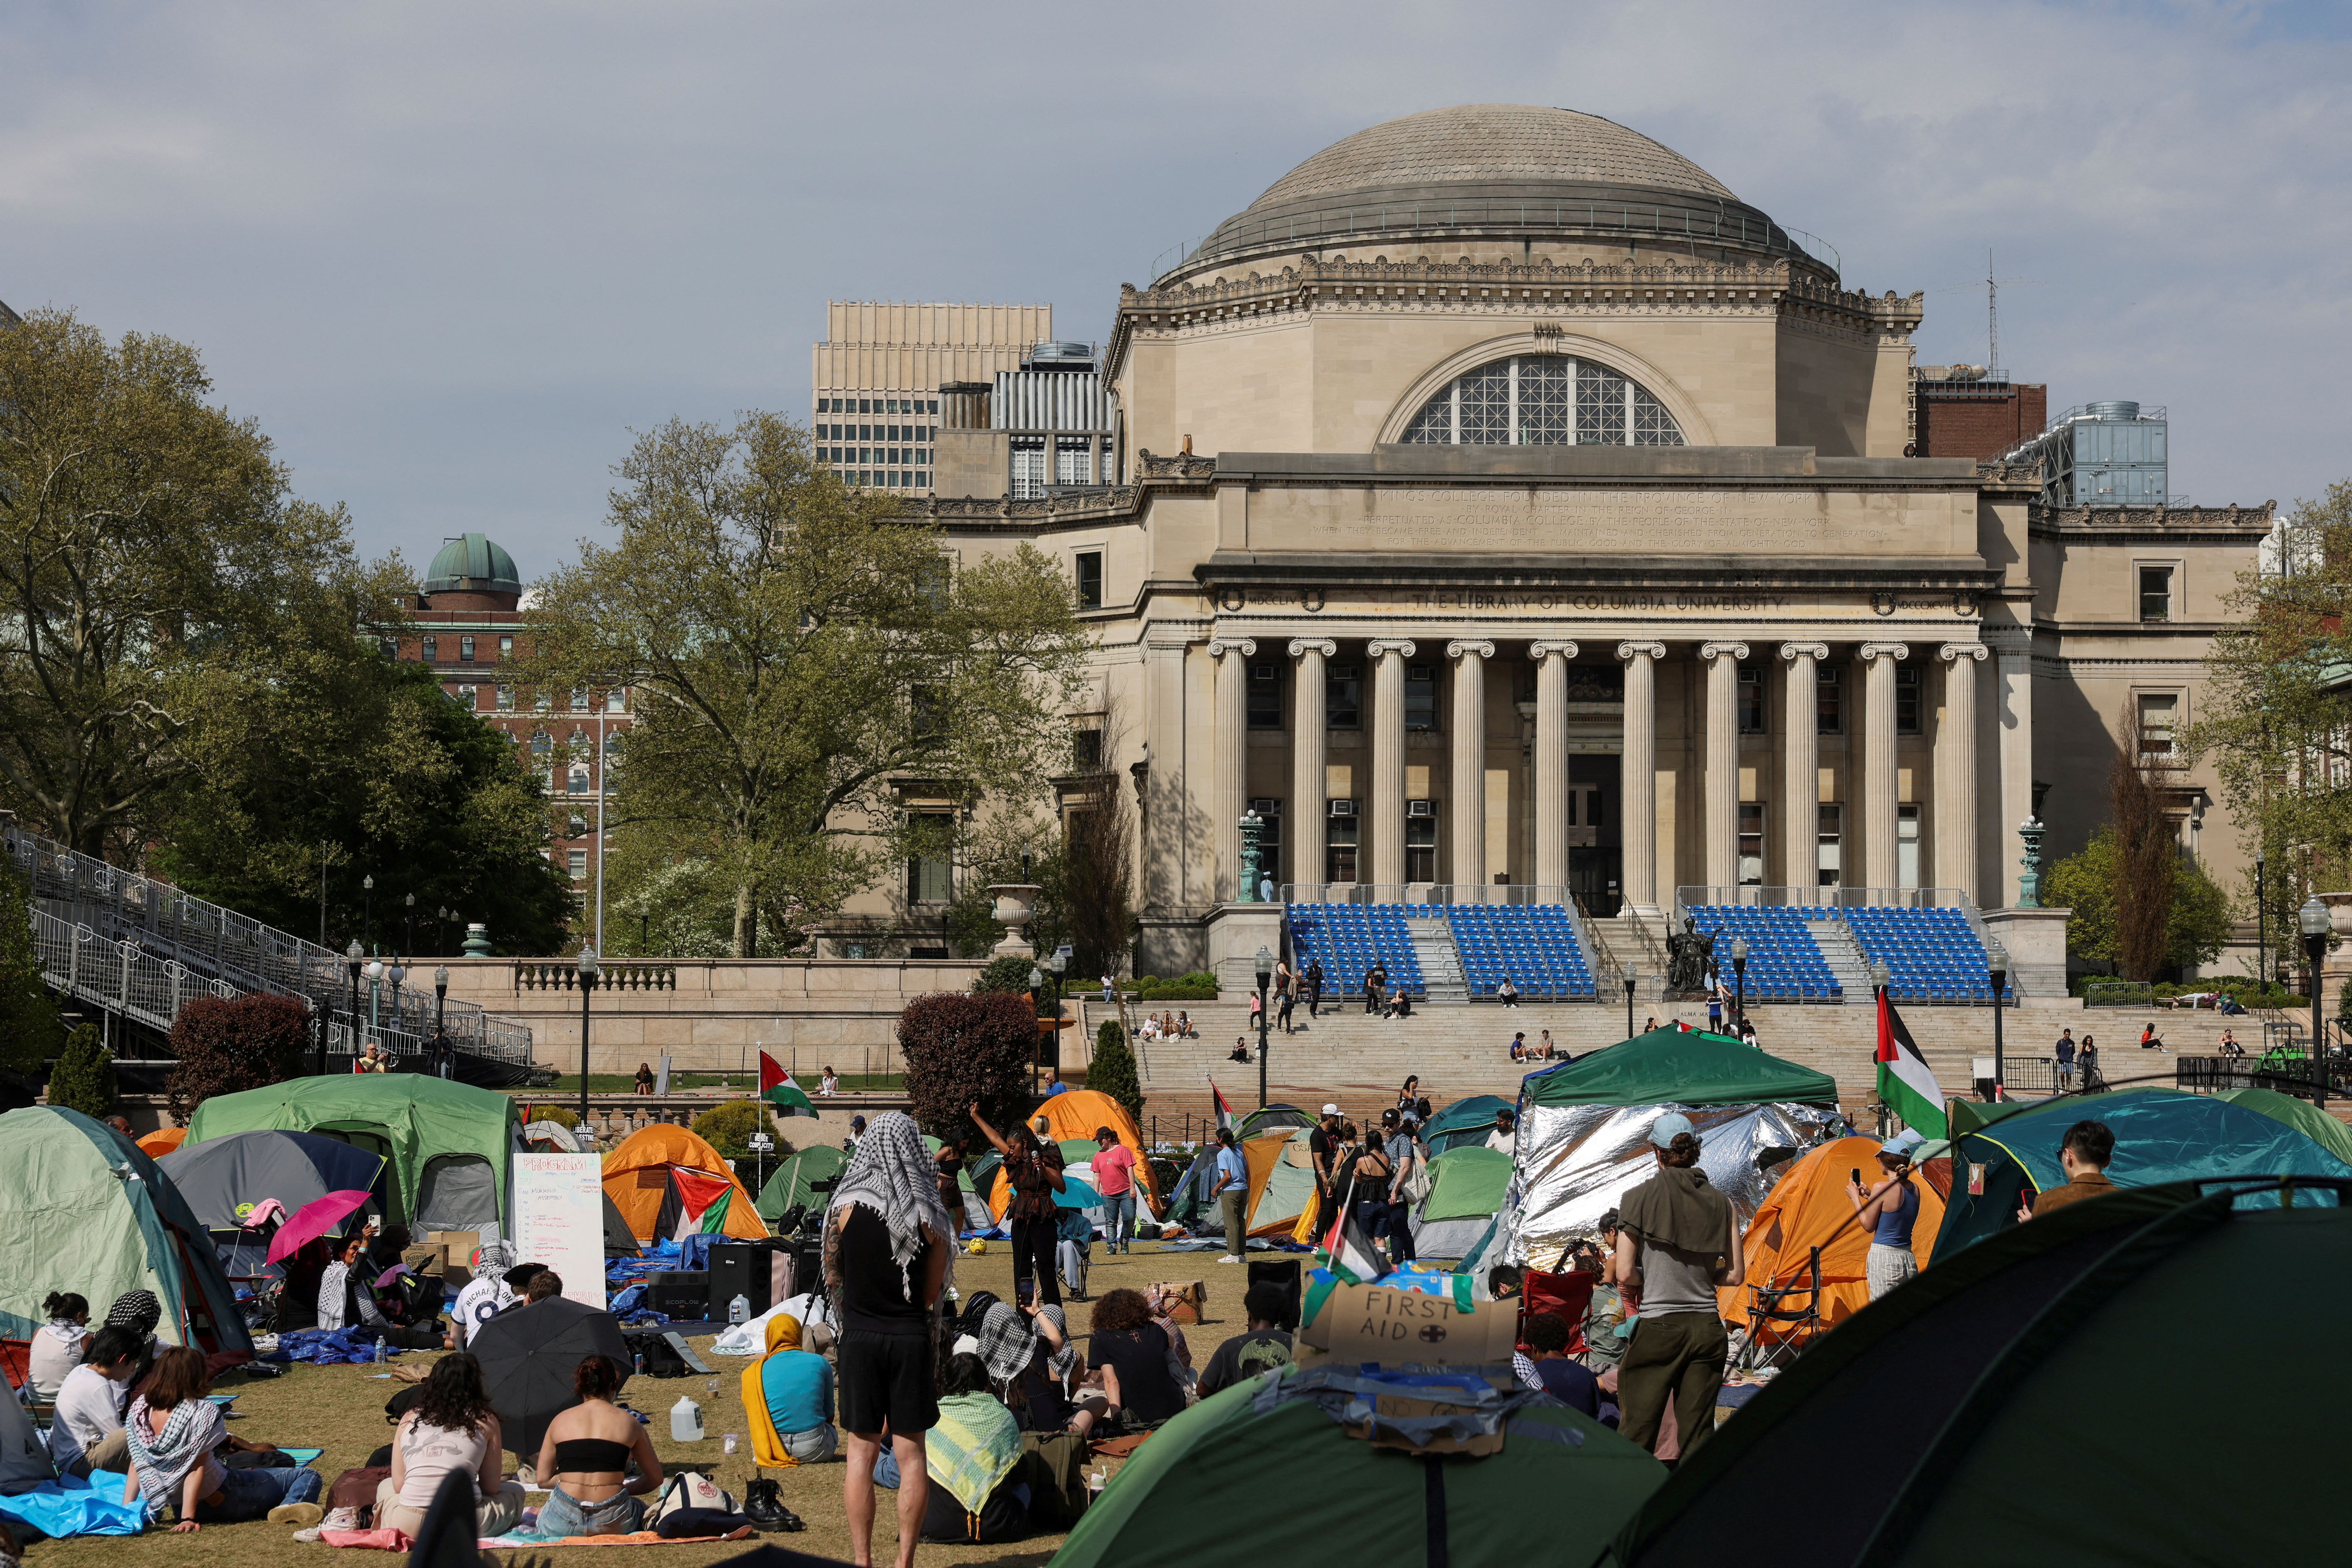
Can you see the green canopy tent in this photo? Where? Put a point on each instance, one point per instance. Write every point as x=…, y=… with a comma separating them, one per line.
x=449, y=1143
x=2011, y=1405
x=2161, y=1135
x=1271, y=1463
x=1464, y=1123
x=83, y=1209
x=788, y=1187
x=1679, y=1066
x=1465, y=1193
x=2300, y=1114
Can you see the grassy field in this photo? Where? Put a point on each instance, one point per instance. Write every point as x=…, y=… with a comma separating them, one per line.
x=341, y=1409
x=626, y=1083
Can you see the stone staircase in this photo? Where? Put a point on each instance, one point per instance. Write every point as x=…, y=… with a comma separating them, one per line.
x=1440, y=960
x=1844, y=957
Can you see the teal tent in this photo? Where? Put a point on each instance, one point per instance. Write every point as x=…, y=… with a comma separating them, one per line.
x=2161, y=1135
x=2300, y=1114
x=2022, y=1402
x=1679, y=1066
x=1466, y=1122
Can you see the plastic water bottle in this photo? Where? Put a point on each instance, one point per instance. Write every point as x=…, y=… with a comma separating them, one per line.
x=379, y=1350
x=685, y=1421
x=739, y=1310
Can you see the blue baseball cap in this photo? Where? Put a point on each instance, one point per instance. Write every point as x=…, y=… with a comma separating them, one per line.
x=1664, y=1129
x=1902, y=1144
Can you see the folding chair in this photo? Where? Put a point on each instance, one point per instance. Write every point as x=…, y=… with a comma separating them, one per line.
x=1777, y=1332
x=1569, y=1294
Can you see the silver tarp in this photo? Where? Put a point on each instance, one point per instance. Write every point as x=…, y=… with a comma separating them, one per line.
x=1578, y=1162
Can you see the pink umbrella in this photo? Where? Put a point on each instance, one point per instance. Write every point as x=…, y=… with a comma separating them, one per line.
x=312, y=1220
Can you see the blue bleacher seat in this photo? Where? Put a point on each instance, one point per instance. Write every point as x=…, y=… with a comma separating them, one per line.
x=1532, y=945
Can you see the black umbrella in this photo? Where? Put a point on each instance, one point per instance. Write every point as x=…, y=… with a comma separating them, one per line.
x=527, y=1357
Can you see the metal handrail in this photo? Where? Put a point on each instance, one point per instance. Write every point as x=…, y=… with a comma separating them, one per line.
x=1433, y=893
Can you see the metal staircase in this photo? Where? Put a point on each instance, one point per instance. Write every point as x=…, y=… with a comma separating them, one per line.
x=1442, y=979
x=1844, y=957
x=139, y=951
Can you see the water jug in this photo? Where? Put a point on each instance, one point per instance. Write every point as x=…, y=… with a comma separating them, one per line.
x=685, y=1421
x=739, y=1310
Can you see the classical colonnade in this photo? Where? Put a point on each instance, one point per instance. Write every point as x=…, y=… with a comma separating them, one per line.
x=1955, y=768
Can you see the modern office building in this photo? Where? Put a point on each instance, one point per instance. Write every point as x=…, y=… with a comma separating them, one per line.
x=876, y=377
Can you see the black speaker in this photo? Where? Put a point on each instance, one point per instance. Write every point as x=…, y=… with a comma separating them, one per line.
x=739, y=1268
x=681, y=1294
x=1283, y=1274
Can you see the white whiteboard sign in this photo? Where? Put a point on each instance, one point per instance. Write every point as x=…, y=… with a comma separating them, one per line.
x=559, y=1209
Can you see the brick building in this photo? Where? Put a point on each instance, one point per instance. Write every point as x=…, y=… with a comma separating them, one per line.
x=1957, y=412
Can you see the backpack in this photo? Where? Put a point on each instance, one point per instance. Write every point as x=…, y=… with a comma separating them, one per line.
x=656, y=1356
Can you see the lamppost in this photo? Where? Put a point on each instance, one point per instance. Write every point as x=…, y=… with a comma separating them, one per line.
x=587, y=984
x=1264, y=978
x=441, y=933
x=1739, y=975
x=396, y=974
x=1996, y=965
x=440, y=996
x=1059, y=964
x=2261, y=926
x=2313, y=918
x=367, y=907
x=353, y=958
x=1633, y=977
x=1037, y=1008
x=410, y=945
x=374, y=973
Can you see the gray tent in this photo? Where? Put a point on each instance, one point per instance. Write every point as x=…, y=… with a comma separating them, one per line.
x=224, y=1179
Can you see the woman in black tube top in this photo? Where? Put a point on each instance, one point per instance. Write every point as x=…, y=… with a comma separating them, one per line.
x=587, y=1454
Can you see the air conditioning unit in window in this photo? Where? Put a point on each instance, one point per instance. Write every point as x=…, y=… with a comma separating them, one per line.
x=1265, y=806
x=1341, y=672
x=1342, y=807
x=1420, y=808
x=1263, y=671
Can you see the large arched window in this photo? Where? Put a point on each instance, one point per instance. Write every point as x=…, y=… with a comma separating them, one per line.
x=1544, y=400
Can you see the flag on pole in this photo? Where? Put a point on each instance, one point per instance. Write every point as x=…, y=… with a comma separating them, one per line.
x=1905, y=1083
x=1224, y=1112
x=1350, y=1252
x=777, y=1088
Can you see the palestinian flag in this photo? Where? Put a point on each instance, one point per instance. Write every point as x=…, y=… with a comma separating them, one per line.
x=777, y=1088
x=1350, y=1254
x=1224, y=1112
x=703, y=1199
x=1905, y=1083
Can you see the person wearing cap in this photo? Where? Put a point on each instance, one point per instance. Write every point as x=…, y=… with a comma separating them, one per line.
x=1678, y=1243
x=1890, y=1208
x=1323, y=1150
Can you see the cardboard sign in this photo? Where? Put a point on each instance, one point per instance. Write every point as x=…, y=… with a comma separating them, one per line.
x=1393, y=1328
x=559, y=1206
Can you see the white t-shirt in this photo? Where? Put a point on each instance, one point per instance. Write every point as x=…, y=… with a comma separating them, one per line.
x=89, y=1411
x=430, y=1453
x=484, y=1298
x=1507, y=1142
x=56, y=1350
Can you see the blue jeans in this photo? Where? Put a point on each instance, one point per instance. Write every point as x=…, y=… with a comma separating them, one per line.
x=563, y=1514
x=251, y=1494
x=1119, y=1209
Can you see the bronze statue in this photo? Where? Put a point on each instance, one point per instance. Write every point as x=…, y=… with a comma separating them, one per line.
x=1690, y=959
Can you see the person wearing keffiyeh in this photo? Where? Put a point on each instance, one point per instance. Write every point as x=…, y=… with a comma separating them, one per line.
x=139, y=1311
x=175, y=1435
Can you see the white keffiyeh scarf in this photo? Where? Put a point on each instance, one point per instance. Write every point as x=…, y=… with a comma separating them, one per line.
x=892, y=1174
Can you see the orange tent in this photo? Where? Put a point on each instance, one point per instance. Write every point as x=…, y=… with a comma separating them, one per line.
x=1809, y=1207
x=665, y=1181
x=163, y=1140
x=1080, y=1112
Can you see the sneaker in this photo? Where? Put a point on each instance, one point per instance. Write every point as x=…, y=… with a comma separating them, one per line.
x=1231, y=1258
x=297, y=1514
x=337, y=1518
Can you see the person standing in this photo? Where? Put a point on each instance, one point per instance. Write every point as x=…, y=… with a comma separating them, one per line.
x=1283, y=1005
x=1405, y=1156
x=1114, y=1179
x=1035, y=1167
x=1715, y=1011
x=2065, y=1060
x=1322, y=1151
x=1890, y=1208
x=1229, y=1185
x=951, y=1161
x=887, y=1251
x=2086, y=1062
x=1678, y=1243
x=1371, y=990
x=1314, y=986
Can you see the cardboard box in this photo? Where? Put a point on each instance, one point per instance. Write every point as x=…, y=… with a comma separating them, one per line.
x=1183, y=1300
x=1401, y=1408
x=1405, y=1328
x=426, y=1257
x=458, y=1248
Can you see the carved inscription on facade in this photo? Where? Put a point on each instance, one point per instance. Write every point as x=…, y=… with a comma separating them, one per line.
x=1596, y=521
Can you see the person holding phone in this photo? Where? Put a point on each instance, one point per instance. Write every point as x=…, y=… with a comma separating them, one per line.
x=1890, y=1208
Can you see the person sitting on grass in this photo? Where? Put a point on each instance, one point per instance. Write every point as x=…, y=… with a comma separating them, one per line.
x=1134, y=1354
x=1263, y=1349
x=789, y=1395
x=587, y=1454
x=86, y=1434
x=1548, y=1336
x=451, y=1427
x=176, y=1439
x=57, y=1344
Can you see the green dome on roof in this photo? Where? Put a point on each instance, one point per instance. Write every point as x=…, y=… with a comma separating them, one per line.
x=471, y=564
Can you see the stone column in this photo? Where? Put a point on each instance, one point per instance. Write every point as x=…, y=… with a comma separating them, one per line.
x=1638, y=774
x=1955, y=770
x=1722, y=837
x=2013, y=654
x=1800, y=764
x=1308, y=772
x=1551, y=761
x=1387, y=657
x=1229, y=792
x=1878, y=760
x=1468, y=807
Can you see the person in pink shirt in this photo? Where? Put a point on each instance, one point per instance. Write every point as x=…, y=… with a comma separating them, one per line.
x=1115, y=1178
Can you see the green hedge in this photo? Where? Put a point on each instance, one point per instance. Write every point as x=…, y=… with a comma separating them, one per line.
x=2247, y=994
x=1199, y=987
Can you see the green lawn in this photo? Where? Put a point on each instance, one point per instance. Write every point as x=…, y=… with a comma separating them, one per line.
x=626, y=1083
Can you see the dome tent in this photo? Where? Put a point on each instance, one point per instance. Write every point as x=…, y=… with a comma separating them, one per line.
x=1465, y=1192
x=83, y=1208
x=668, y=1183
x=2000, y=1406
x=789, y=1186
x=1465, y=1122
x=224, y=1179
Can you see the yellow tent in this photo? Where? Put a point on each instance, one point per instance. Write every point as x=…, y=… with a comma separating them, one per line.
x=667, y=1183
x=1078, y=1114
x=1809, y=1207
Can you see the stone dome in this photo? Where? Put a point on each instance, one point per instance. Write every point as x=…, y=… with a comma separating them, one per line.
x=472, y=563
x=1493, y=170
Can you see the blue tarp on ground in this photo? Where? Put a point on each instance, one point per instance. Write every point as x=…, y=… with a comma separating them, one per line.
x=71, y=1506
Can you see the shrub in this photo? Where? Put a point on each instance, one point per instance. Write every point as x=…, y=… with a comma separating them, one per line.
x=228, y=1046
x=1113, y=1072
x=962, y=1049
x=1008, y=974
x=1198, y=986
x=728, y=1127
x=554, y=1113
x=83, y=1079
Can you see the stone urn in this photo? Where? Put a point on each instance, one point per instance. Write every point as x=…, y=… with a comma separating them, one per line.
x=1015, y=903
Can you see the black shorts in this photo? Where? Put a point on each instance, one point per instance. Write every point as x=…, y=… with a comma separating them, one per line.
x=887, y=1380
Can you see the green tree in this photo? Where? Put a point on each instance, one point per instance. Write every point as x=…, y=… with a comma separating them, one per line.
x=963, y=1051
x=1008, y=974
x=728, y=1127
x=1084, y=875
x=1113, y=1069
x=154, y=567
x=794, y=648
x=228, y=1046
x=30, y=1029
x=2196, y=922
x=83, y=1079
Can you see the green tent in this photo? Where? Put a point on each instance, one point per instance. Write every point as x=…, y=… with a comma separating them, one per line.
x=2300, y=1114
x=83, y=1209
x=2161, y=1135
x=1679, y=1066
x=2013, y=1404
x=788, y=1187
x=1272, y=1117
x=1466, y=1122
x=1465, y=1193
x=449, y=1143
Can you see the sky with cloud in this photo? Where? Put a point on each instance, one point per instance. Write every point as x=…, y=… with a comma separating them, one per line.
x=450, y=255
